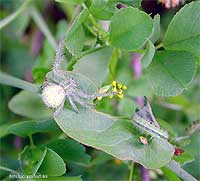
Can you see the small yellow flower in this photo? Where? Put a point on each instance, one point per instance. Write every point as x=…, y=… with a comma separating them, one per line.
x=119, y=85
x=120, y=96
x=114, y=83
x=124, y=87
x=114, y=89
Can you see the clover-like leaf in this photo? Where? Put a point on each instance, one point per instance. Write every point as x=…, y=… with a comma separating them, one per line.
x=183, y=32
x=129, y=28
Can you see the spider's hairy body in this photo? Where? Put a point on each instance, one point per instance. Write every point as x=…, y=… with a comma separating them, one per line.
x=53, y=95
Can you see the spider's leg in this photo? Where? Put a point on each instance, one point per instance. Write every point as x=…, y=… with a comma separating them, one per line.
x=59, y=109
x=72, y=104
x=59, y=56
x=82, y=102
x=83, y=95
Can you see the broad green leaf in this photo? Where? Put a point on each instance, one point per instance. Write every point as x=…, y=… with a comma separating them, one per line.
x=155, y=35
x=170, y=72
x=15, y=82
x=115, y=137
x=70, y=1
x=149, y=54
x=52, y=165
x=95, y=66
x=183, y=32
x=4, y=129
x=140, y=87
x=29, y=105
x=75, y=38
x=127, y=106
x=184, y=158
x=129, y=28
x=31, y=159
x=27, y=128
x=170, y=175
x=69, y=150
x=104, y=9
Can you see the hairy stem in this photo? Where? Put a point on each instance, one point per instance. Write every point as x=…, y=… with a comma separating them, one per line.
x=31, y=141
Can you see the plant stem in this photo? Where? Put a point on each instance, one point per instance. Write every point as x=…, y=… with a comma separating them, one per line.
x=131, y=171
x=8, y=169
x=159, y=46
x=98, y=28
x=43, y=26
x=31, y=141
x=74, y=60
x=14, y=15
x=176, y=168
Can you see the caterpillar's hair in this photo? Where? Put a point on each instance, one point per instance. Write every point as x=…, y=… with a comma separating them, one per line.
x=193, y=127
x=59, y=56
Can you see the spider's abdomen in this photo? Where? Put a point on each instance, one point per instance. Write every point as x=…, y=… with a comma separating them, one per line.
x=53, y=95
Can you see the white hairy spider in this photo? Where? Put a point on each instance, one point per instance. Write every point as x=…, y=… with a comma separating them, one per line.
x=61, y=86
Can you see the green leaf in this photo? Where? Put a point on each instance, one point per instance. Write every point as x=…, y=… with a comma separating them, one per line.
x=184, y=158
x=70, y=1
x=170, y=73
x=183, y=32
x=155, y=35
x=129, y=28
x=52, y=165
x=95, y=66
x=31, y=159
x=69, y=150
x=75, y=38
x=15, y=82
x=116, y=137
x=170, y=175
x=29, y=105
x=27, y=128
x=4, y=129
x=127, y=106
x=148, y=55
x=104, y=9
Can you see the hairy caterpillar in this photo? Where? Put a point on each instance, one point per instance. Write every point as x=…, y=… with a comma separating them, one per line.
x=145, y=121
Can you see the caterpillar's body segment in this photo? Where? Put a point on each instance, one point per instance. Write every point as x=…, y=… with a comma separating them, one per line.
x=145, y=121
x=149, y=128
